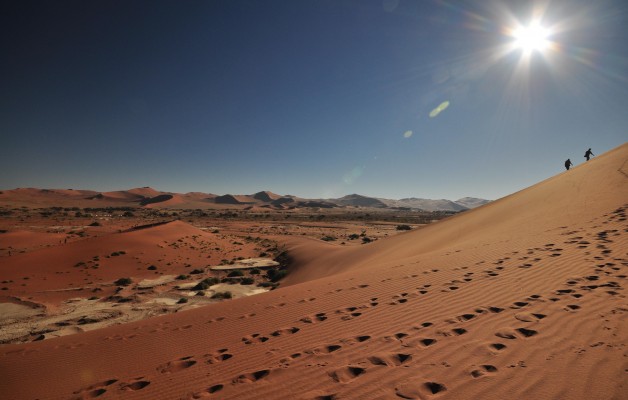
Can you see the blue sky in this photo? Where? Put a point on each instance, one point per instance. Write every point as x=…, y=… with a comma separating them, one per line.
x=312, y=98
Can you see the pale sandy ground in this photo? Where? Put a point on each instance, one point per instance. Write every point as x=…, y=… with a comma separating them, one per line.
x=523, y=298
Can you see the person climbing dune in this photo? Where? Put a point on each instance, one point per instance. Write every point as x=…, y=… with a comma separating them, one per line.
x=568, y=164
x=588, y=154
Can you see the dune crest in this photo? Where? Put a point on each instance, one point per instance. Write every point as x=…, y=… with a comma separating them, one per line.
x=569, y=197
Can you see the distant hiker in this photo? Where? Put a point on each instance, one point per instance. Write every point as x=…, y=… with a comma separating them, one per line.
x=568, y=164
x=588, y=154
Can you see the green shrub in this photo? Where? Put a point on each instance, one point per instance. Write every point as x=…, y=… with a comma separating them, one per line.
x=247, y=281
x=282, y=258
x=235, y=273
x=205, y=283
x=123, y=282
x=222, y=295
x=182, y=300
x=404, y=228
x=276, y=275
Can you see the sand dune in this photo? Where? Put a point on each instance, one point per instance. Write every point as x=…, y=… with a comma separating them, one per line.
x=521, y=298
x=90, y=266
x=266, y=196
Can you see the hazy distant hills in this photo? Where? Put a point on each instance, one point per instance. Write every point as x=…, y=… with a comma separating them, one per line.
x=414, y=203
x=151, y=198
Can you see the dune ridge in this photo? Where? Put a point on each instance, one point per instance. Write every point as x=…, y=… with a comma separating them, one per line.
x=520, y=298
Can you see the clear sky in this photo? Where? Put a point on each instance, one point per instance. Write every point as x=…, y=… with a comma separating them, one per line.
x=316, y=98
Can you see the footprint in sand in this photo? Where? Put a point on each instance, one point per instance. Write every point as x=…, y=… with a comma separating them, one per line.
x=453, y=332
x=412, y=389
x=497, y=346
x=177, y=365
x=350, y=312
x=315, y=318
x=359, y=287
x=307, y=300
x=465, y=317
x=356, y=339
x=389, y=360
x=285, y=362
x=218, y=356
x=324, y=350
x=346, y=374
x=252, y=377
x=519, y=304
x=526, y=332
x=285, y=331
x=210, y=390
x=427, y=342
x=134, y=386
x=484, y=370
x=513, y=334
x=506, y=334
x=256, y=337
x=97, y=389
x=529, y=317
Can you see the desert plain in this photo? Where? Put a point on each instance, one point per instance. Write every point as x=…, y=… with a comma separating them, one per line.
x=177, y=297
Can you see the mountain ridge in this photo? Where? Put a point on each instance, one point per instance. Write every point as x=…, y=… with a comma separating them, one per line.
x=149, y=197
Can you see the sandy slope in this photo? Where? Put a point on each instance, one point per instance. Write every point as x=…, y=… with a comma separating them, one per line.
x=522, y=298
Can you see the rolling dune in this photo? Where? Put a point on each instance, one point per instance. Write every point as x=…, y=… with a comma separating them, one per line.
x=521, y=298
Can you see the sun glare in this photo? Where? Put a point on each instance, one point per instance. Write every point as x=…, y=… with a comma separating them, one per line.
x=531, y=38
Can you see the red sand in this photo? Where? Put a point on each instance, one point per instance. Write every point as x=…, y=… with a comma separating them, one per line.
x=522, y=298
x=46, y=275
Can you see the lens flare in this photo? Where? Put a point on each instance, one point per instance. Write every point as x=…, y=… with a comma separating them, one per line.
x=350, y=177
x=441, y=107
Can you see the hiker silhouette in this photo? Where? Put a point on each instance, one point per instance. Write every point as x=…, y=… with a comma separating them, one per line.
x=588, y=154
x=568, y=164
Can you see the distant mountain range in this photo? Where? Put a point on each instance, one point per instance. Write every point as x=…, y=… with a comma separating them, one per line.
x=151, y=198
x=412, y=203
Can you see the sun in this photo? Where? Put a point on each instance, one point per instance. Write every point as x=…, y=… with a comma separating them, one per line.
x=533, y=37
